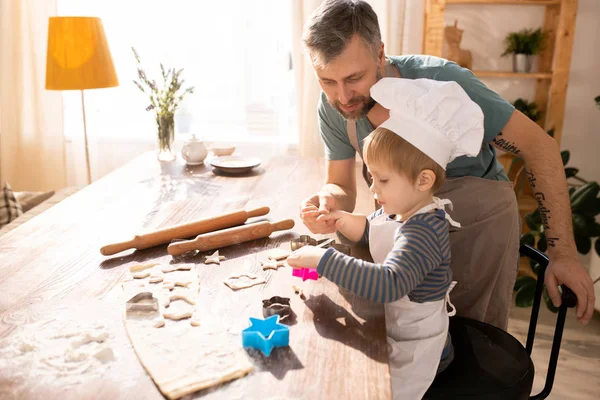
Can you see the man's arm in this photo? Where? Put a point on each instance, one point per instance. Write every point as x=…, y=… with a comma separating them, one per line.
x=340, y=181
x=338, y=193
x=523, y=137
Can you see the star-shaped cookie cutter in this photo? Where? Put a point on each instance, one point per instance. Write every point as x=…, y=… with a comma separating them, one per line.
x=306, y=240
x=265, y=334
x=305, y=273
x=277, y=305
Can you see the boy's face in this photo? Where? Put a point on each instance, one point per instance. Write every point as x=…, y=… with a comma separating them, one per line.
x=394, y=192
x=347, y=79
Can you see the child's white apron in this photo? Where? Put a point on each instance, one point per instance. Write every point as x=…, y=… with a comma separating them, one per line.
x=416, y=331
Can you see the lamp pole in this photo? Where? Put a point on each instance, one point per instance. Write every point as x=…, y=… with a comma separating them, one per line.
x=85, y=138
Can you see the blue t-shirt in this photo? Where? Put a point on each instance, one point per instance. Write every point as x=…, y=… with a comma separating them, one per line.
x=496, y=111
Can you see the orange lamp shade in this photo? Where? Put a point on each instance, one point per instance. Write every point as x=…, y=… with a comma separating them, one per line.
x=78, y=56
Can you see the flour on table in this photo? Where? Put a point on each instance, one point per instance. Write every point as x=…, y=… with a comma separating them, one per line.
x=53, y=353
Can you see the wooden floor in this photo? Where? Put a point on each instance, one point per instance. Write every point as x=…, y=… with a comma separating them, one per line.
x=578, y=371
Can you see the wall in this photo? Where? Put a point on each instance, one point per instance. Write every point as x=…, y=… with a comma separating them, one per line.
x=485, y=28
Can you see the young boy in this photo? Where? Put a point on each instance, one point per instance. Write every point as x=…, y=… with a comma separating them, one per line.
x=430, y=124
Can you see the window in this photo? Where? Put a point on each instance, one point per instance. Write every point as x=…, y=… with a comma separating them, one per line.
x=236, y=53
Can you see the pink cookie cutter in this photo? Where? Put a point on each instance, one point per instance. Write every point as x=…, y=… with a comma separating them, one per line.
x=305, y=273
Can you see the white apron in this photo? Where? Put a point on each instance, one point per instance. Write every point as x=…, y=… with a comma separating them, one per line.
x=416, y=331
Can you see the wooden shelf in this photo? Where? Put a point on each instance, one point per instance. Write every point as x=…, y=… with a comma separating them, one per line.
x=505, y=2
x=513, y=75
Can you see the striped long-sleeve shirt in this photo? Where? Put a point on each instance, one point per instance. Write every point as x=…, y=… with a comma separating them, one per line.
x=417, y=266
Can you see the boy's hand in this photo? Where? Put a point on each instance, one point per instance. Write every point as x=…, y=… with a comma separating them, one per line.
x=306, y=257
x=339, y=217
x=315, y=206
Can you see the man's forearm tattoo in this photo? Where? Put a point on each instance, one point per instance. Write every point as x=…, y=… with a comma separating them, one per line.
x=506, y=145
x=545, y=217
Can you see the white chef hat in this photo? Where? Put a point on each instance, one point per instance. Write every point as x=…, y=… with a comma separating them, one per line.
x=436, y=117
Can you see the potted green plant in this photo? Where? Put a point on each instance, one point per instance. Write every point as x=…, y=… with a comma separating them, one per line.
x=530, y=109
x=523, y=45
x=164, y=102
x=585, y=208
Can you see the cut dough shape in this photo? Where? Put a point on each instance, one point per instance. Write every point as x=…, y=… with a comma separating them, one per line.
x=298, y=291
x=233, y=284
x=176, y=267
x=270, y=264
x=164, y=352
x=141, y=275
x=182, y=297
x=156, y=279
x=278, y=254
x=194, y=322
x=141, y=267
x=159, y=323
x=179, y=296
x=177, y=316
x=215, y=258
x=171, y=285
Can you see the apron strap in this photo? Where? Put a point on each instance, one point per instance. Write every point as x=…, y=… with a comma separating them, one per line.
x=452, y=311
x=441, y=203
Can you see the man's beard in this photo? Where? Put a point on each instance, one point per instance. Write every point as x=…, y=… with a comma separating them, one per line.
x=367, y=101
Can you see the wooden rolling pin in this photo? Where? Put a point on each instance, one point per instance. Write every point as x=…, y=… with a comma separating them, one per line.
x=187, y=230
x=228, y=237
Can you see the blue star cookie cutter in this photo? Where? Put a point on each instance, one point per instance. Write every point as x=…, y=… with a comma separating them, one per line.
x=265, y=334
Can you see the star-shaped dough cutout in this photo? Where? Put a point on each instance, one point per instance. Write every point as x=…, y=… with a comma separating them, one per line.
x=271, y=264
x=215, y=258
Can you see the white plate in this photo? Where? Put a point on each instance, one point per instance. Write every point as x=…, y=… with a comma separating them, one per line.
x=235, y=164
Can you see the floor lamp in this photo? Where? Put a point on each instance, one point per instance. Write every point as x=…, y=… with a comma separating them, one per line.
x=78, y=58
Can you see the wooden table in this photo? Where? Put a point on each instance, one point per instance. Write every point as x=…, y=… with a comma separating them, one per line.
x=53, y=275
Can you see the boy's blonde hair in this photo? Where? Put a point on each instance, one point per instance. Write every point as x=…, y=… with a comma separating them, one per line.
x=384, y=147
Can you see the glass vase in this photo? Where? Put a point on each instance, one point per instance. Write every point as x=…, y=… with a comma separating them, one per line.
x=166, y=136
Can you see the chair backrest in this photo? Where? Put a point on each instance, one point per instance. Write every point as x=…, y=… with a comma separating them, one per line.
x=569, y=300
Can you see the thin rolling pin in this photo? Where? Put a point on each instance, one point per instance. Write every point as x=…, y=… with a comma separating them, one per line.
x=228, y=237
x=190, y=229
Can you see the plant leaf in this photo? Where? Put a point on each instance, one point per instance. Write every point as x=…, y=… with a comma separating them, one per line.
x=584, y=244
x=548, y=301
x=526, y=293
x=528, y=238
x=523, y=280
x=565, y=155
x=595, y=229
x=542, y=244
x=533, y=220
x=571, y=172
x=571, y=191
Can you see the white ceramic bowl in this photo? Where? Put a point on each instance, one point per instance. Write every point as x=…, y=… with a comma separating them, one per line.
x=222, y=149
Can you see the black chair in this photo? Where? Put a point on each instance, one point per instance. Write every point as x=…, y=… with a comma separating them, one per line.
x=489, y=363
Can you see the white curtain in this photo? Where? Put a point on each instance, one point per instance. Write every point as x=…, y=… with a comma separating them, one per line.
x=401, y=24
x=31, y=131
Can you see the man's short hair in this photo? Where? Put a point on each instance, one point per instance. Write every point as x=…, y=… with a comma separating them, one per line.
x=384, y=147
x=333, y=25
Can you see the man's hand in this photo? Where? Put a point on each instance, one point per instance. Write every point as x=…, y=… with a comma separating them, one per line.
x=570, y=271
x=306, y=257
x=310, y=210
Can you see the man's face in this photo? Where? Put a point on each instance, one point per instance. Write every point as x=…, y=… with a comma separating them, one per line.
x=347, y=79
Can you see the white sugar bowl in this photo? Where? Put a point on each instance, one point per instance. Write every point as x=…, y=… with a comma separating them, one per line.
x=194, y=151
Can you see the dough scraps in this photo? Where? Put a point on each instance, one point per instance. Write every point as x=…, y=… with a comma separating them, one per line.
x=141, y=267
x=236, y=282
x=176, y=267
x=215, y=258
